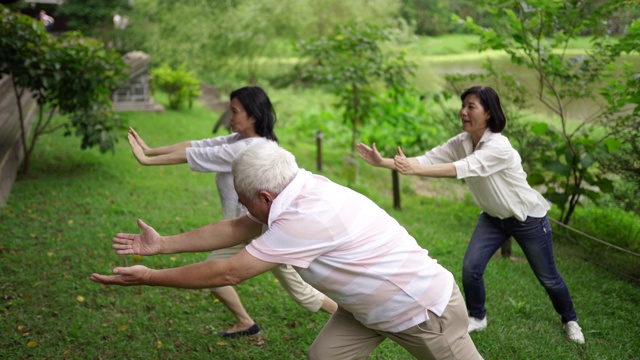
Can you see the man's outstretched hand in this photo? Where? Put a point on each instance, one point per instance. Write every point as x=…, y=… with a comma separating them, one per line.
x=147, y=243
x=124, y=276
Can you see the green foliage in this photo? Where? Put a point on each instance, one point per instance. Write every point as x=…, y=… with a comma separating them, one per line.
x=49, y=68
x=227, y=41
x=405, y=121
x=536, y=37
x=336, y=134
x=352, y=63
x=91, y=17
x=180, y=84
x=616, y=226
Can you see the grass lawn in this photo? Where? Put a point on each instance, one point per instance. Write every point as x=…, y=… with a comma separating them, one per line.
x=57, y=226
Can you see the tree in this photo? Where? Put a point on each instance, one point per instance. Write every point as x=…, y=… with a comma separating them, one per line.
x=537, y=35
x=352, y=63
x=72, y=75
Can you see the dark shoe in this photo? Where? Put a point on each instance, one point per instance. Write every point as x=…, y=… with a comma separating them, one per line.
x=254, y=329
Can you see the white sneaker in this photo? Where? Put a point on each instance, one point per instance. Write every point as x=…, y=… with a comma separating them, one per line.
x=574, y=332
x=476, y=324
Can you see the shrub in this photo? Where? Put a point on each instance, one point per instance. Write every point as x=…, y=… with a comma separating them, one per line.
x=179, y=84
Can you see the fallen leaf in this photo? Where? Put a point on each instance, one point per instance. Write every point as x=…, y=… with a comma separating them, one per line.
x=158, y=344
x=49, y=254
x=20, y=327
x=32, y=344
x=80, y=298
x=122, y=328
x=137, y=258
x=70, y=222
x=221, y=343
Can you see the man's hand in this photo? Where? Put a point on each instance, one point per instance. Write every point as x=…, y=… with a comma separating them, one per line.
x=147, y=243
x=125, y=276
x=404, y=165
x=370, y=155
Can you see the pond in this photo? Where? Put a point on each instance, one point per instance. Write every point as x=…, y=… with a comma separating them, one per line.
x=432, y=70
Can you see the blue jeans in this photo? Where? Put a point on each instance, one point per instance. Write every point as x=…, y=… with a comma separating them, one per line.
x=534, y=237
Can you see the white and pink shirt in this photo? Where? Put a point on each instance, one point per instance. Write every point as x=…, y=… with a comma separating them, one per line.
x=350, y=249
x=216, y=155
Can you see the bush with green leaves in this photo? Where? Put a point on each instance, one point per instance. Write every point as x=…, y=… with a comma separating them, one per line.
x=354, y=65
x=71, y=75
x=403, y=120
x=179, y=83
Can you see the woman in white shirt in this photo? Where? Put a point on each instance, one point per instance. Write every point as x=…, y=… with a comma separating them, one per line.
x=252, y=119
x=492, y=168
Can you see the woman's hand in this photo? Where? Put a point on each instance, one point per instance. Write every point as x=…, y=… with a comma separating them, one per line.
x=138, y=139
x=404, y=165
x=370, y=155
x=138, y=152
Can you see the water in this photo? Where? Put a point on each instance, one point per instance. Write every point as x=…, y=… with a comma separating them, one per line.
x=431, y=71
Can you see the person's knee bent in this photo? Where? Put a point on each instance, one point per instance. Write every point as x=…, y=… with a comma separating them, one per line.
x=552, y=282
x=470, y=272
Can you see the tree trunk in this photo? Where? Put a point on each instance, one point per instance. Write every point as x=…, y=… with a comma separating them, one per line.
x=23, y=132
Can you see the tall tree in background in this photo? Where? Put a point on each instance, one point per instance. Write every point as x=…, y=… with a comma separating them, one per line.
x=213, y=37
x=353, y=63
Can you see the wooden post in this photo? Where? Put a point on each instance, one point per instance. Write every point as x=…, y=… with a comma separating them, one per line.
x=319, y=137
x=505, y=250
x=395, y=179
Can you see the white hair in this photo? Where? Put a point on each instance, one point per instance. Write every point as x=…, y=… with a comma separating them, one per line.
x=263, y=166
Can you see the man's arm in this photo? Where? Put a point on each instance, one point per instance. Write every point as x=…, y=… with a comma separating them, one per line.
x=231, y=271
x=219, y=235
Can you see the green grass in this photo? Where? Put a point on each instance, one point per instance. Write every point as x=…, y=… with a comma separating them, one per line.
x=57, y=226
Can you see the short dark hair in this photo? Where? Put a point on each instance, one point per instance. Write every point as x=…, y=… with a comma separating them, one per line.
x=490, y=101
x=258, y=106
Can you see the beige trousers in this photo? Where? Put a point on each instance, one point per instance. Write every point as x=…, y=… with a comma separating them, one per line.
x=304, y=294
x=440, y=337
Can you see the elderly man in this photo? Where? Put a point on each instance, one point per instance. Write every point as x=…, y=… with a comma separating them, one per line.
x=339, y=241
